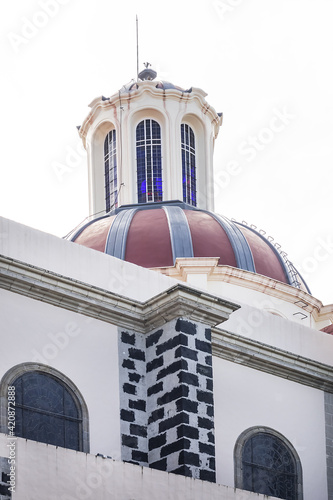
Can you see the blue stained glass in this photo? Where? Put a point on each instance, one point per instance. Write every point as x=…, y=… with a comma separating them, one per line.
x=149, y=161
x=188, y=164
x=110, y=171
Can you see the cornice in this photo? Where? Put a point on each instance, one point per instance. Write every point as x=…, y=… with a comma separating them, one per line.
x=274, y=361
x=239, y=277
x=149, y=87
x=179, y=300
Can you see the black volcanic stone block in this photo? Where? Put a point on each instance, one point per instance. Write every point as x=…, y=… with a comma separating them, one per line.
x=189, y=458
x=205, y=423
x=179, y=418
x=156, y=415
x=201, y=345
x=180, y=364
x=205, y=370
x=186, y=352
x=207, y=448
x=184, y=404
x=188, y=378
x=207, y=475
x=138, y=430
x=205, y=397
x=129, y=441
x=208, y=334
x=157, y=441
x=134, y=377
x=186, y=327
x=181, y=444
x=176, y=393
x=154, y=389
x=209, y=384
x=129, y=388
x=127, y=415
x=139, y=456
x=139, y=404
x=154, y=338
x=159, y=465
x=134, y=353
x=155, y=363
x=128, y=338
x=211, y=437
x=187, y=431
x=180, y=339
x=128, y=363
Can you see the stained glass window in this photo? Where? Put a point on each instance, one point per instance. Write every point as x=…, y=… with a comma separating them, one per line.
x=110, y=171
x=269, y=467
x=46, y=411
x=149, y=161
x=188, y=165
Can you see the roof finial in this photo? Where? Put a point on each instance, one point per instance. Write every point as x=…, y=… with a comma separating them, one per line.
x=147, y=73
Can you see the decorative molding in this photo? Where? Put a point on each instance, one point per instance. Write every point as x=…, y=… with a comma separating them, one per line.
x=179, y=300
x=253, y=281
x=272, y=360
x=98, y=104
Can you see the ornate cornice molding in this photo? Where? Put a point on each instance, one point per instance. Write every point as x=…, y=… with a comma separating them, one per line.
x=253, y=281
x=149, y=88
x=272, y=360
x=179, y=300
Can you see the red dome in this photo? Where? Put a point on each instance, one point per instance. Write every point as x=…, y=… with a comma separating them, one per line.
x=153, y=236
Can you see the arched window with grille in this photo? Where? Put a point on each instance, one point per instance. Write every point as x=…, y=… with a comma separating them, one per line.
x=110, y=171
x=188, y=165
x=149, y=161
x=48, y=407
x=267, y=463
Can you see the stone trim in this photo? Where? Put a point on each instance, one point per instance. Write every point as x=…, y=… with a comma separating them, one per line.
x=67, y=293
x=263, y=357
x=329, y=442
x=238, y=454
x=143, y=317
x=18, y=370
x=240, y=277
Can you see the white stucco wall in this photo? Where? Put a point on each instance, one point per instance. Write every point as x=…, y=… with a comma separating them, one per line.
x=83, y=349
x=78, y=262
x=47, y=473
x=279, y=332
x=245, y=398
x=289, y=310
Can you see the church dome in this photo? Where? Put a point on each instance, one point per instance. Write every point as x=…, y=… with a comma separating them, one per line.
x=154, y=235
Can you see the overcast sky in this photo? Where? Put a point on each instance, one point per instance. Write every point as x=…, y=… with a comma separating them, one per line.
x=266, y=64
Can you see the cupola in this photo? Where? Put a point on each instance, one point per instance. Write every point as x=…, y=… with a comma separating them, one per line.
x=150, y=162
x=150, y=142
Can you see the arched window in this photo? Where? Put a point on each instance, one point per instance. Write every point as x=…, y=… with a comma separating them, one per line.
x=266, y=463
x=110, y=171
x=47, y=409
x=149, y=161
x=188, y=165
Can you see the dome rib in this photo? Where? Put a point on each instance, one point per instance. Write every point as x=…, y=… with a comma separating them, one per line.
x=155, y=235
x=241, y=248
x=180, y=235
x=117, y=237
x=276, y=252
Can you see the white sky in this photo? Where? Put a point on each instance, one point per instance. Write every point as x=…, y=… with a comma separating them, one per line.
x=254, y=58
